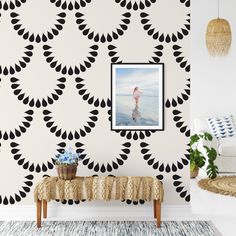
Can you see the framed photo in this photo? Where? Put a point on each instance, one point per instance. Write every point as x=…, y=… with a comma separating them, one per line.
x=137, y=94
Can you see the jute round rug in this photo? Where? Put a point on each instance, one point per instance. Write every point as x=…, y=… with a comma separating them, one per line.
x=225, y=185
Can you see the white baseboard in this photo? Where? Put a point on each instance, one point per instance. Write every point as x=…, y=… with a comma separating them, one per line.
x=108, y=212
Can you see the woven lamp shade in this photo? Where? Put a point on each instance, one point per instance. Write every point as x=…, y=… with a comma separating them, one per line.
x=218, y=37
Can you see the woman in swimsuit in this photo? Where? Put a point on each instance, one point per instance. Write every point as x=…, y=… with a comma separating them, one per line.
x=136, y=95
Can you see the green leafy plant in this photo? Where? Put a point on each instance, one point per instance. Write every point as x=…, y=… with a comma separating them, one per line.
x=198, y=156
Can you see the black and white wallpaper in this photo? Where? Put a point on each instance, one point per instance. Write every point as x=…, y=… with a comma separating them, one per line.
x=55, y=91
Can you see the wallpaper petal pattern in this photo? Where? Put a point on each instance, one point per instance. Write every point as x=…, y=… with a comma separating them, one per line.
x=18, y=66
x=34, y=36
x=77, y=40
x=135, y=5
x=5, y=5
x=37, y=102
x=70, y=5
x=70, y=69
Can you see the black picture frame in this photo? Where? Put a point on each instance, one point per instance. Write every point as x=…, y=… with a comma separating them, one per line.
x=117, y=118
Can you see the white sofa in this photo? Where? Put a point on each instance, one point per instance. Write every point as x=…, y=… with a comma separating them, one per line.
x=226, y=147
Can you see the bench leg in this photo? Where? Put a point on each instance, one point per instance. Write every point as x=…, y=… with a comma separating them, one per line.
x=157, y=212
x=154, y=209
x=39, y=212
x=45, y=209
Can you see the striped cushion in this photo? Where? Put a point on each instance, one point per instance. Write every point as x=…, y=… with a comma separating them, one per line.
x=222, y=127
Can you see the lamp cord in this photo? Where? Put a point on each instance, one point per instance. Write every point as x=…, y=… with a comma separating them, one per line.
x=218, y=9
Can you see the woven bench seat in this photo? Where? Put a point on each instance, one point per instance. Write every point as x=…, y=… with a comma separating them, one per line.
x=99, y=188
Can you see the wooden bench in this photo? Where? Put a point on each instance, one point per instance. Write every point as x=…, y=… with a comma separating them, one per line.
x=99, y=188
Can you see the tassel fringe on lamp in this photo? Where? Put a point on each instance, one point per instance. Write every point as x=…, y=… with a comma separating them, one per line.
x=218, y=36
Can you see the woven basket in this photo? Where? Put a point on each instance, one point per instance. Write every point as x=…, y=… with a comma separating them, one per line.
x=66, y=172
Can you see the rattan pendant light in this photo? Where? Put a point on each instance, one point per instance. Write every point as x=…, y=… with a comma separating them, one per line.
x=218, y=36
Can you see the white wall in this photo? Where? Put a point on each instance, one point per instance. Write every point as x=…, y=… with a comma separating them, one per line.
x=213, y=84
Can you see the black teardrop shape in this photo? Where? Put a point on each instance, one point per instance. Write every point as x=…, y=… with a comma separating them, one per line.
x=127, y=144
x=183, y=194
x=64, y=135
x=119, y=161
x=94, y=47
x=187, y=199
x=50, y=165
x=30, y=177
x=155, y=166
x=124, y=157
x=155, y=36
x=147, y=156
x=177, y=183
x=187, y=68
x=26, y=189
x=115, y=166
x=185, y=162
x=44, y=168
x=135, y=6
x=5, y=136
x=96, y=168
x=17, y=197
x=144, y=151
x=168, y=39
x=150, y=162
x=128, y=202
x=161, y=168
x=5, y=7
x=129, y=135
x=147, y=133
x=13, y=144
x=70, y=202
x=38, y=39
x=38, y=169
x=12, y=136
x=82, y=133
x=109, y=168
x=70, y=136
x=168, y=168
x=176, y=177
x=64, y=5
x=103, y=39
x=22, y=194
x=76, y=135
x=31, y=169
x=162, y=38
x=174, y=168
x=141, y=135
x=135, y=136
x=90, y=101
x=26, y=165
x=187, y=133
x=5, y=201
x=183, y=129
x=180, y=166
x=179, y=189
x=90, y=166
x=174, y=103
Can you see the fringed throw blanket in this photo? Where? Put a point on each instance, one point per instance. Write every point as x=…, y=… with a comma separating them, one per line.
x=99, y=188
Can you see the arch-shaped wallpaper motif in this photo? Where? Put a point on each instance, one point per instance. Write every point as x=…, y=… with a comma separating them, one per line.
x=134, y=148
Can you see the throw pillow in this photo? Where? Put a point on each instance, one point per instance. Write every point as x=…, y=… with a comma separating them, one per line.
x=222, y=127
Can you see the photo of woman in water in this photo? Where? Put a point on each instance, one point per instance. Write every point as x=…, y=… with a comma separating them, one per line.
x=137, y=96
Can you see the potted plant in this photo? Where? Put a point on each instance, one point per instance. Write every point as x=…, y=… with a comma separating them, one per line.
x=199, y=153
x=66, y=164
